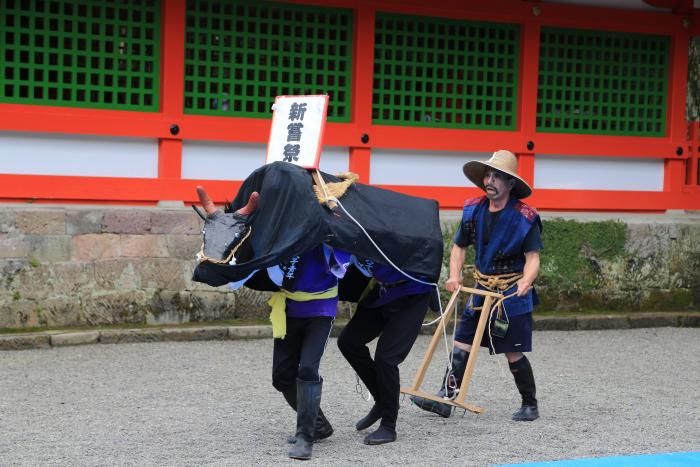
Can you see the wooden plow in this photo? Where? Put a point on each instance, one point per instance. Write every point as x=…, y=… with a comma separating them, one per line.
x=415, y=390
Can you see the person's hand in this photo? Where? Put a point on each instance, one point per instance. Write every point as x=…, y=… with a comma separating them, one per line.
x=452, y=284
x=210, y=208
x=523, y=287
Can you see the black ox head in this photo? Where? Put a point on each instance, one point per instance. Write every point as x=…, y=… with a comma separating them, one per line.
x=225, y=233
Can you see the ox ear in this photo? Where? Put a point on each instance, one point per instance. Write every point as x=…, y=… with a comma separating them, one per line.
x=223, y=235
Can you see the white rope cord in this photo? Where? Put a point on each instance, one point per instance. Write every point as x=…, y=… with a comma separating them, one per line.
x=369, y=237
x=500, y=302
x=449, y=357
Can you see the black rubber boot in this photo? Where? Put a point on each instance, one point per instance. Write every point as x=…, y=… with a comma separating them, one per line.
x=370, y=419
x=322, y=427
x=525, y=382
x=454, y=381
x=308, y=401
x=381, y=435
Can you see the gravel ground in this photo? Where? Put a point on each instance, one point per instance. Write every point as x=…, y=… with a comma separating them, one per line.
x=211, y=403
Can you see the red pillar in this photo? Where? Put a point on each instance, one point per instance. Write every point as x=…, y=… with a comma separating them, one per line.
x=363, y=65
x=529, y=74
x=674, y=169
x=172, y=88
x=527, y=105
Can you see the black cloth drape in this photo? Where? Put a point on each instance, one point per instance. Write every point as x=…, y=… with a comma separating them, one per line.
x=290, y=220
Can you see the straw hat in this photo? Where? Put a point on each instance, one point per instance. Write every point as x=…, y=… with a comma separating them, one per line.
x=503, y=161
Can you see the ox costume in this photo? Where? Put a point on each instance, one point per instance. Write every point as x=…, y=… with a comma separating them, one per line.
x=500, y=240
x=302, y=251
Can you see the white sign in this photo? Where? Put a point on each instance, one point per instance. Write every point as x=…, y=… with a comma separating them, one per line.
x=296, y=135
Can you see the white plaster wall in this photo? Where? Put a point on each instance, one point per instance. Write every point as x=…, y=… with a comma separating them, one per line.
x=599, y=173
x=212, y=160
x=421, y=168
x=220, y=160
x=77, y=155
x=335, y=160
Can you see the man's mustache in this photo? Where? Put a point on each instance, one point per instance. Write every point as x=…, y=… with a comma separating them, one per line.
x=491, y=186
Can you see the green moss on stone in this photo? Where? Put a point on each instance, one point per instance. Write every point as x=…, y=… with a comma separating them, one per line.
x=574, y=252
x=663, y=300
x=572, y=261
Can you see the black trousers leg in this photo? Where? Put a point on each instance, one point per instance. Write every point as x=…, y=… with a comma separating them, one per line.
x=364, y=327
x=299, y=354
x=317, y=333
x=398, y=324
x=285, y=360
x=402, y=323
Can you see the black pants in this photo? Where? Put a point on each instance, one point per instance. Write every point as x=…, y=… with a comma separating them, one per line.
x=397, y=324
x=299, y=354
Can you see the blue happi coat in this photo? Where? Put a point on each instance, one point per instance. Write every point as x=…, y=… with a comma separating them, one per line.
x=311, y=272
x=316, y=270
x=504, y=252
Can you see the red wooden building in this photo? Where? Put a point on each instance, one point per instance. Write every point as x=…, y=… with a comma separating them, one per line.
x=138, y=101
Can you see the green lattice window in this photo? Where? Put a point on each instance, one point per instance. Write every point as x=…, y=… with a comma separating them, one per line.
x=241, y=54
x=602, y=82
x=98, y=54
x=446, y=73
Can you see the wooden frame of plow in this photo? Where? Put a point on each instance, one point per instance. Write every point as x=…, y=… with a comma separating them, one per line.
x=414, y=390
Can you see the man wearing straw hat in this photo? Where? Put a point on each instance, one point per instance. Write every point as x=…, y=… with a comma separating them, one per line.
x=505, y=233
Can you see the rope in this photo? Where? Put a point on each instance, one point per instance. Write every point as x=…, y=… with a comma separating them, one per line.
x=333, y=199
x=494, y=283
x=326, y=193
x=230, y=259
x=451, y=355
x=497, y=283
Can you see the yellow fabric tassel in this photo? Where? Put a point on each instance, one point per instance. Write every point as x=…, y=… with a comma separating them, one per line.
x=278, y=302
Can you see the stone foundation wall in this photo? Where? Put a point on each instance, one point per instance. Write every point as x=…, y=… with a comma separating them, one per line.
x=71, y=266
x=66, y=266
x=647, y=263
